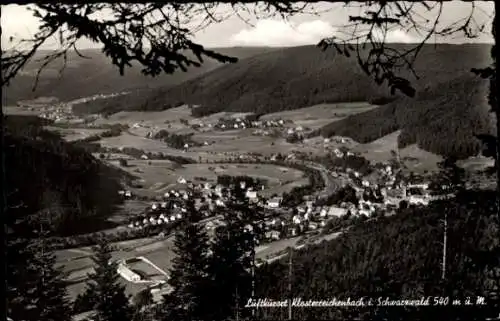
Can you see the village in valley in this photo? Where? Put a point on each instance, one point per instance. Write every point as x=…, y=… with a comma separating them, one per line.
x=305, y=188
x=251, y=161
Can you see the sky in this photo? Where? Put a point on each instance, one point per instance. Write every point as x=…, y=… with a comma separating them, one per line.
x=303, y=29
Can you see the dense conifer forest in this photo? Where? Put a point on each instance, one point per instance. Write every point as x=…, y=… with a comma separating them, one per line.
x=442, y=119
x=84, y=77
x=44, y=172
x=398, y=257
x=450, y=99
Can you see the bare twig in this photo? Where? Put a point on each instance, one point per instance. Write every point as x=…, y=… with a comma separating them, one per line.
x=157, y=35
x=371, y=28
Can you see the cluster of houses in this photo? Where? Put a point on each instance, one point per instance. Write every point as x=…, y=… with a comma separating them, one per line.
x=339, y=154
x=388, y=188
x=143, y=221
x=63, y=112
x=300, y=220
x=59, y=113
x=126, y=194
x=206, y=197
x=282, y=222
x=243, y=123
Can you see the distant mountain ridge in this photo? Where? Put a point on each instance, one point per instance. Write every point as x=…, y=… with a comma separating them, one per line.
x=291, y=78
x=448, y=110
x=86, y=77
x=295, y=77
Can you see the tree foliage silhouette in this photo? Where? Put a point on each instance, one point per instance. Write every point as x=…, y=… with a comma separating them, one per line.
x=108, y=296
x=231, y=261
x=189, y=274
x=35, y=288
x=156, y=36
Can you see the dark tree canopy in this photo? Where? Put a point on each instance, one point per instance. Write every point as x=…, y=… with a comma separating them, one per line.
x=157, y=36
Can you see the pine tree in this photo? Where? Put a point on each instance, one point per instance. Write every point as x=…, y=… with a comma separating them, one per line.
x=19, y=293
x=143, y=306
x=35, y=288
x=52, y=303
x=231, y=262
x=188, y=275
x=450, y=179
x=110, y=301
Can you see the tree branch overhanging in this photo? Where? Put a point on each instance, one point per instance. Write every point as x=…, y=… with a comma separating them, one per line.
x=368, y=38
x=157, y=36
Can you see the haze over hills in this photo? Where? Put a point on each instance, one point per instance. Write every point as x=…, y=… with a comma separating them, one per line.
x=85, y=77
x=450, y=100
x=291, y=78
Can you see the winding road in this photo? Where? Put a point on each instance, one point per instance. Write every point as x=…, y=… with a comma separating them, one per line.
x=331, y=184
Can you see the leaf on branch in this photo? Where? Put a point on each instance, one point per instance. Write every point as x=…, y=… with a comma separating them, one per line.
x=483, y=72
x=489, y=144
x=403, y=86
x=323, y=44
x=337, y=47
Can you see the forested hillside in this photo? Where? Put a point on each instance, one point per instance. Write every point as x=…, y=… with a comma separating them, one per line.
x=398, y=257
x=449, y=109
x=291, y=78
x=84, y=77
x=46, y=173
x=442, y=119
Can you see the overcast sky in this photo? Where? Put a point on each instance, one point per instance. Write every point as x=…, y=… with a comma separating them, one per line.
x=17, y=21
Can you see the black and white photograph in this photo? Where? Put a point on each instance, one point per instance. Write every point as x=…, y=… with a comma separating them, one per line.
x=243, y=160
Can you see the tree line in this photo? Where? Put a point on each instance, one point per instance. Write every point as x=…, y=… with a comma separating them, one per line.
x=444, y=124
x=46, y=173
x=398, y=257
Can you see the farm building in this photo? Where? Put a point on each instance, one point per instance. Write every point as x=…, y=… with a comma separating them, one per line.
x=274, y=202
x=252, y=195
x=274, y=235
x=128, y=274
x=337, y=211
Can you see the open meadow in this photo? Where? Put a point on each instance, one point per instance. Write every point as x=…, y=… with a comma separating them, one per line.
x=16, y=110
x=415, y=158
x=72, y=134
x=158, y=252
x=151, y=118
x=317, y=116
x=158, y=176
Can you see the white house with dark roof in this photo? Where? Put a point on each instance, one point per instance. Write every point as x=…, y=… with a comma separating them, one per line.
x=313, y=225
x=274, y=202
x=252, y=195
x=337, y=211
